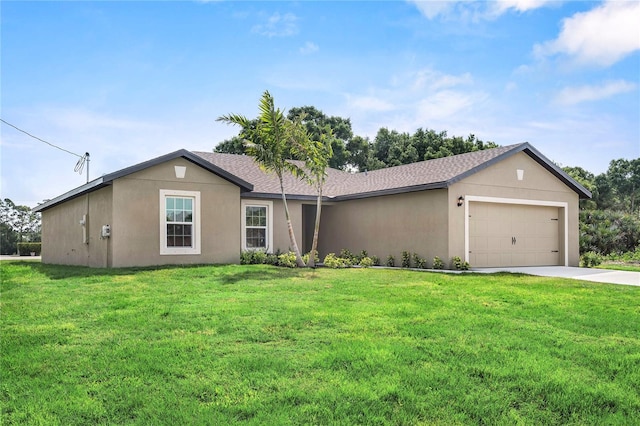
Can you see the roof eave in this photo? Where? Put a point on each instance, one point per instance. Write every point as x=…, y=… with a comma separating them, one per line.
x=110, y=177
x=390, y=191
x=278, y=196
x=94, y=185
x=537, y=156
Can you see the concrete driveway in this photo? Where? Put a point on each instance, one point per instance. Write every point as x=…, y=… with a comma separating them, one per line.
x=587, y=274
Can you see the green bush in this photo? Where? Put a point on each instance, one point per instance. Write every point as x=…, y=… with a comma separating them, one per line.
x=419, y=262
x=438, y=263
x=458, y=264
x=627, y=257
x=333, y=261
x=406, y=259
x=25, y=249
x=391, y=261
x=347, y=254
x=287, y=260
x=366, y=262
x=253, y=257
x=590, y=259
x=606, y=232
x=375, y=260
x=305, y=258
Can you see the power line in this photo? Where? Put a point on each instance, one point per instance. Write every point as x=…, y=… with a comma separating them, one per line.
x=41, y=140
x=79, y=165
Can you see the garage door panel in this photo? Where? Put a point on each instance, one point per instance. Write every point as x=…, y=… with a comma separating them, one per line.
x=513, y=235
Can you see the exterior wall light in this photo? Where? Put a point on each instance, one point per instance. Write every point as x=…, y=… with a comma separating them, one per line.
x=460, y=201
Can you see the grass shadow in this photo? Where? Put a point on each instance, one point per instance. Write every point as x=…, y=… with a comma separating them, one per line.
x=227, y=275
x=260, y=274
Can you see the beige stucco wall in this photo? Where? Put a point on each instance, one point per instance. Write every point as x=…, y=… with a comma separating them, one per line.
x=500, y=181
x=135, y=230
x=62, y=233
x=388, y=225
x=131, y=206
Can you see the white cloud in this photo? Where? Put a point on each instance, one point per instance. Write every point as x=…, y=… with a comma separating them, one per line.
x=369, y=103
x=434, y=80
x=309, y=48
x=502, y=6
x=424, y=98
x=576, y=95
x=278, y=25
x=601, y=36
x=442, y=105
x=474, y=10
x=431, y=9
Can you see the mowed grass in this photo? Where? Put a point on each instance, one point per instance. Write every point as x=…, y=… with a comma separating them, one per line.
x=263, y=345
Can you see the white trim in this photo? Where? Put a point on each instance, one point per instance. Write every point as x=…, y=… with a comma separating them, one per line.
x=497, y=200
x=164, y=250
x=243, y=233
x=180, y=171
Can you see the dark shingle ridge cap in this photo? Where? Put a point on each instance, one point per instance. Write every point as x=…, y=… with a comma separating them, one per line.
x=108, y=178
x=423, y=175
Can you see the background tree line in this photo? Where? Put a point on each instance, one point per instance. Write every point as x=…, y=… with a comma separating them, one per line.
x=17, y=224
x=609, y=222
x=389, y=147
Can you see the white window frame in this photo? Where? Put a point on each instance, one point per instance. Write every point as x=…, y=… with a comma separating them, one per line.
x=195, y=248
x=243, y=223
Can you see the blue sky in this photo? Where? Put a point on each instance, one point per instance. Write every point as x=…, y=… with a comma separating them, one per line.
x=129, y=81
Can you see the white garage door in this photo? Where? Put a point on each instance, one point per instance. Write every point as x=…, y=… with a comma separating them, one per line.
x=513, y=235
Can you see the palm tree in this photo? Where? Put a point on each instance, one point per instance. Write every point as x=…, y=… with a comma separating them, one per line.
x=316, y=155
x=269, y=143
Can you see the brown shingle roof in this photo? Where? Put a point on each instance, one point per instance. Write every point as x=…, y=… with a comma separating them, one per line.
x=243, y=171
x=437, y=173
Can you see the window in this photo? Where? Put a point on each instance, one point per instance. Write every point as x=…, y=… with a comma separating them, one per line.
x=257, y=225
x=179, y=222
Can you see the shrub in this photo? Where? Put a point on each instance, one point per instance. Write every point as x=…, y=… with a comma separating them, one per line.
x=346, y=254
x=627, y=257
x=406, y=259
x=333, y=261
x=25, y=249
x=359, y=257
x=391, y=261
x=305, y=258
x=590, y=259
x=271, y=259
x=606, y=232
x=419, y=262
x=253, y=257
x=458, y=264
x=438, y=263
x=287, y=260
x=366, y=262
x=375, y=260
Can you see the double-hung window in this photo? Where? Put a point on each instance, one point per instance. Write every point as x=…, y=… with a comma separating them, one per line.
x=257, y=225
x=179, y=222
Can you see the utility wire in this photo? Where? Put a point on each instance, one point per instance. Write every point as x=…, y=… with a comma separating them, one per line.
x=79, y=165
x=41, y=140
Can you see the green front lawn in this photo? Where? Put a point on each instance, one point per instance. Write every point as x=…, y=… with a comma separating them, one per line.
x=619, y=266
x=263, y=345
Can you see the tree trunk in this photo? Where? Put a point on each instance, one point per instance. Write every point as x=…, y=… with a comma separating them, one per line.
x=316, y=231
x=292, y=237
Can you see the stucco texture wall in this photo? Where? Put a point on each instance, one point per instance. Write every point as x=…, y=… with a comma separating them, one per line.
x=62, y=232
x=387, y=225
x=131, y=206
x=135, y=231
x=501, y=181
